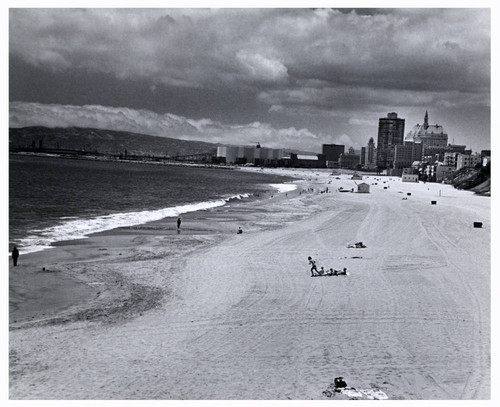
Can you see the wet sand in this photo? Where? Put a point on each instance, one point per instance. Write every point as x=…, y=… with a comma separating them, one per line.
x=149, y=313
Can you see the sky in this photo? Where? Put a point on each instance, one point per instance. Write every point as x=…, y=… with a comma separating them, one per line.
x=283, y=77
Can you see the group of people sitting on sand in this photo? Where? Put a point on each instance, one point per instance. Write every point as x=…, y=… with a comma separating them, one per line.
x=357, y=245
x=322, y=272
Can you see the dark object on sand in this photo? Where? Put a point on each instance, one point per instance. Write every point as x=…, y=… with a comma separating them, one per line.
x=433, y=202
x=178, y=223
x=478, y=224
x=339, y=383
x=331, y=273
x=15, y=255
x=240, y=231
x=408, y=193
x=358, y=245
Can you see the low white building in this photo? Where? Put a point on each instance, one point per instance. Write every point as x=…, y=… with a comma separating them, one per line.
x=409, y=178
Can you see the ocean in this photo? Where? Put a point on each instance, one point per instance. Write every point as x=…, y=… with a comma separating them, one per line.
x=53, y=199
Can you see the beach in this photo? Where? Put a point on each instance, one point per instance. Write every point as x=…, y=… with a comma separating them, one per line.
x=149, y=312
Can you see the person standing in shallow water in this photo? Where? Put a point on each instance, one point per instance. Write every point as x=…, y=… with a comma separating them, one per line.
x=15, y=255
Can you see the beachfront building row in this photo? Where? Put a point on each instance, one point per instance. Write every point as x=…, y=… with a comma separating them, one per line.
x=336, y=157
x=394, y=151
x=240, y=155
x=263, y=156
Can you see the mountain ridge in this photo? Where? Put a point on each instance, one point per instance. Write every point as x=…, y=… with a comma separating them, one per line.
x=105, y=141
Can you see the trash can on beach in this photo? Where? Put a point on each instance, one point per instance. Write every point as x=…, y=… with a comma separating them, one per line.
x=478, y=224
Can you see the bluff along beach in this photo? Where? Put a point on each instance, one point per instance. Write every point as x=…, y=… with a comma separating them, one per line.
x=148, y=313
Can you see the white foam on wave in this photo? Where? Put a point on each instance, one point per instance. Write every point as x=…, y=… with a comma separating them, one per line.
x=72, y=229
x=284, y=187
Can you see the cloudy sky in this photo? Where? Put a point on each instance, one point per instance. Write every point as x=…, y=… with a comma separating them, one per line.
x=293, y=78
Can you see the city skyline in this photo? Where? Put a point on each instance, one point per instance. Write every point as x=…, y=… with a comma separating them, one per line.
x=296, y=78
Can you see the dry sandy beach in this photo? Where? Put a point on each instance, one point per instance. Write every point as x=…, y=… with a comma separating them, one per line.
x=147, y=313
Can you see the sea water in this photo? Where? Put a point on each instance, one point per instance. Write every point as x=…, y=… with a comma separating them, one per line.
x=54, y=199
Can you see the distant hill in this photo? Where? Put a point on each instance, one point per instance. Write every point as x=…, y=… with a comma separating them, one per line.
x=105, y=141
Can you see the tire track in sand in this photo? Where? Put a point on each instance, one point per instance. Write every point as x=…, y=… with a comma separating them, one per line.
x=476, y=377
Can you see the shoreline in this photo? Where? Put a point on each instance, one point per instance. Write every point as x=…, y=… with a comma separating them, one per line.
x=80, y=293
x=74, y=227
x=242, y=313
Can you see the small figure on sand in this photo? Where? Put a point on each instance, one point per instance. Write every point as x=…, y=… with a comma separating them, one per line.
x=312, y=263
x=178, y=223
x=339, y=383
x=15, y=255
x=240, y=231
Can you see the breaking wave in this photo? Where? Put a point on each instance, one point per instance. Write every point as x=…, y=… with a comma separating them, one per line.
x=72, y=228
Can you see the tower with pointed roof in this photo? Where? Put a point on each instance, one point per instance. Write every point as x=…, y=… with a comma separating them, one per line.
x=432, y=137
x=426, y=120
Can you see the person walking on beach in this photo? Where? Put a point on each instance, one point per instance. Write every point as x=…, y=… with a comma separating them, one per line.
x=178, y=223
x=312, y=263
x=15, y=255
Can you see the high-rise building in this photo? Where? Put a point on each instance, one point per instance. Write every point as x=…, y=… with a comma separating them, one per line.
x=362, y=157
x=390, y=134
x=370, y=154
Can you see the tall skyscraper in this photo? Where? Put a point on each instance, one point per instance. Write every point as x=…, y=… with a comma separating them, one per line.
x=390, y=134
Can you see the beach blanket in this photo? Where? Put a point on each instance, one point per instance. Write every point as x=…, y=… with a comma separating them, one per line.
x=356, y=394
x=331, y=275
x=374, y=394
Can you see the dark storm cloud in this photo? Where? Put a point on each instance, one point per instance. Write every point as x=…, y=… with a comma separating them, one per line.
x=249, y=65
